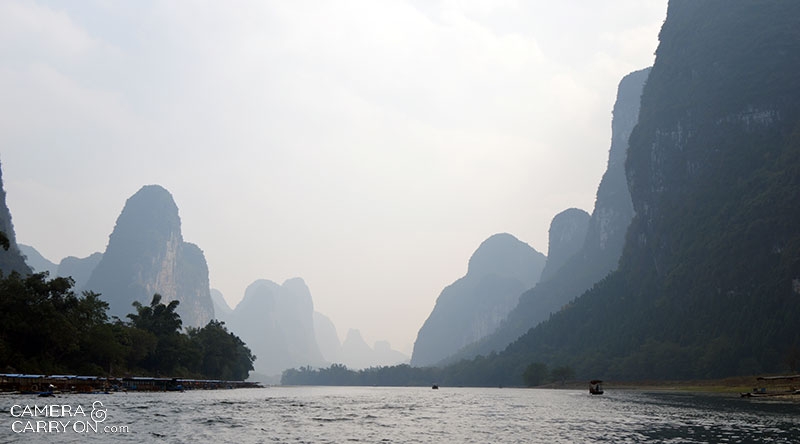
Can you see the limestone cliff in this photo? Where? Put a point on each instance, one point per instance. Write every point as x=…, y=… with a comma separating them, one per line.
x=327, y=338
x=11, y=259
x=705, y=286
x=146, y=254
x=222, y=311
x=276, y=322
x=605, y=235
x=473, y=306
x=567, y=234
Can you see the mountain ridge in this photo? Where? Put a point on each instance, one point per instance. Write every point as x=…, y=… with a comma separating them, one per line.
x=146, y=254
x=472, y=307
x=603, y=241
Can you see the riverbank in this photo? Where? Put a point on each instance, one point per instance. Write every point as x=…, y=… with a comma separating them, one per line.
x=738, y=384
x=48, y=384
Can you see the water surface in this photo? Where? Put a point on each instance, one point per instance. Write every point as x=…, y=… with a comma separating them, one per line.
x=407, y=415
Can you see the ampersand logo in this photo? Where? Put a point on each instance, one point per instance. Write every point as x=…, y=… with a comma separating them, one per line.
x=98, y=414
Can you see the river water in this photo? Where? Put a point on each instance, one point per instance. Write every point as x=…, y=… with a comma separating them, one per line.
x=398, y=415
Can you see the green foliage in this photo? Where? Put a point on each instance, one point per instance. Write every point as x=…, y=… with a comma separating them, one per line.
x=222, y=354
x=159, y=319
x=535, y=374
x=45, y=328
x=562, y=373
x=43, y=324
x=338, y=374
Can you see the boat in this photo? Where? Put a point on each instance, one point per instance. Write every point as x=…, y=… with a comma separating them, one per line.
x=596, y=387
x=435, y=387
x=49, y=392
x=771, y=386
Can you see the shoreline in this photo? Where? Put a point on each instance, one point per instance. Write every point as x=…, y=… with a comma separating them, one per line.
x=736, y=384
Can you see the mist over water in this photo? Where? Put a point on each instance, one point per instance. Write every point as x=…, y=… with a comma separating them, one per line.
x=422, y=415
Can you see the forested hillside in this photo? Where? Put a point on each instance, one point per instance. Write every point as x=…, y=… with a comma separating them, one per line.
x=708, y=280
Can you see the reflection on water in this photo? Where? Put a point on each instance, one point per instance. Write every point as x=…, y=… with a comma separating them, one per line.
x=418, y=415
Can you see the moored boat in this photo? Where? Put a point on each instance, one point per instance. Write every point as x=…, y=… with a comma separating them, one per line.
x=775, y=386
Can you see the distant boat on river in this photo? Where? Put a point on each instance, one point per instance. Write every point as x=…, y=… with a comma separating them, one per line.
x=596, y=387
x=775, y=386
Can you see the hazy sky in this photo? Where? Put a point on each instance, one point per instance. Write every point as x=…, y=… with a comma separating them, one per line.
x=367, y=146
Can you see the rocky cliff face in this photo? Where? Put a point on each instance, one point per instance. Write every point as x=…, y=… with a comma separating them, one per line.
x=146, y=254
x=706, y=283
x=222, y=310
x=276, y=322
x=473, y=306
x=566, y=237
x=601, y=248
x=11, y=259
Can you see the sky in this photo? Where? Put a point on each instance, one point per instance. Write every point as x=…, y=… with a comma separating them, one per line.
x=367, y=146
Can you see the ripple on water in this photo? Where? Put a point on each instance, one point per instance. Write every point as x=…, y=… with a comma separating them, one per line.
x=419, y=415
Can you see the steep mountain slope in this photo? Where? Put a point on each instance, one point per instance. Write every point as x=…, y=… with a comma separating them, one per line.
x=566, y=237
x=11, y=259
x=222, y=310
x=37, y=262
x=276, y=322
x=79, y=269
x=327, y=338
x=146, y=254
x=602, y=246
x=709, y=281
x=356, y=353
x=473, y=306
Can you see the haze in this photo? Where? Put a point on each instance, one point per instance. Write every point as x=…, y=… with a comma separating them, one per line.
x=368, y=147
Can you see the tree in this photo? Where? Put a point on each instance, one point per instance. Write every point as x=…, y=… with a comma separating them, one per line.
x=562, y=373
x=535, y=374
x=44, y=326
x=165, y=324
x=222, y=354
x=157, y=318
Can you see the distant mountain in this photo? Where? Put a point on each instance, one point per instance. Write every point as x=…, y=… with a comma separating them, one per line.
x=76, y=268
x=708, y=284
x=80, y=269
x=472, y=307
x=11, y=259
x=276, y=322
x=327, y=338
x=602, y=245
x=386, y=355
x=567, y=234
x=222, y=311
x=37, y=262
x=146, y=254
x=356, y=353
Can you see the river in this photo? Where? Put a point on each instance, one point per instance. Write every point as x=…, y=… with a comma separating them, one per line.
x=398, y=415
